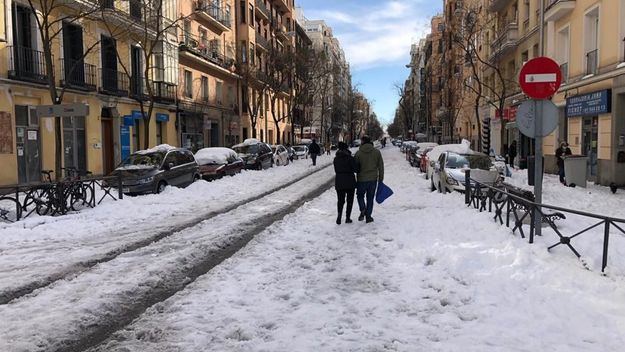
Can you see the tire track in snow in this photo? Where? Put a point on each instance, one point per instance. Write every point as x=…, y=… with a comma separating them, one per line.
x=12, y=294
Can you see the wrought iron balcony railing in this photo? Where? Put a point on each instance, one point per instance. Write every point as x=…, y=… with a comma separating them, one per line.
x=114, y=82
x=27, y=64
x=219, y=13
x=206, y=49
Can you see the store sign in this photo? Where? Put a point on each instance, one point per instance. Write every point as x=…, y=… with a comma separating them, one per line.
x=590, y=104
x=124, y=141
x=509, y=114
x=162, y=117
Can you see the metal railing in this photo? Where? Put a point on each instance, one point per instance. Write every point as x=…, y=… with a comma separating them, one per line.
x=27, y=64
x=564, y=69
x=164, y=91
x=205, y=49
x=220, y=14
x=592, y=62
x=78, y=74
x=137, y=90
x=107, y=4
x=114, y=82
x=261, y=7
x=516, y=208
x=57, y=198
x=262, y=41
x=135, y=9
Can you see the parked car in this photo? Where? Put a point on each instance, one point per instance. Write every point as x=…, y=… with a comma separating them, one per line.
x=256, y=154
x=280, y=155
x=424, y=161
x=407, y=144
x=416, y=153
x=301, y=152
x=432, y=155
x=450, y=168
x=151, y=170
x=216, y=163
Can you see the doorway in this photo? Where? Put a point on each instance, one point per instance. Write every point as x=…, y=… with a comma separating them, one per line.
x=28, y=150
x=108, y=149
x=590, y=134
x=74, y=143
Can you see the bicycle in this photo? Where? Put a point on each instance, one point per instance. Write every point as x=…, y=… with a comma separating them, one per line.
x=42, y=196
x=10, y=209
x=75, y=191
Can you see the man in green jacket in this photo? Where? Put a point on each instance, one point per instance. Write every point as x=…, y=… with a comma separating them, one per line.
x=371, y=172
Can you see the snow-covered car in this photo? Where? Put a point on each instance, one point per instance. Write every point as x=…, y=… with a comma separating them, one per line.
x=424, y=161
x=255, y=154
x=300, y=152
x=218, y=162
x=416, y=153
x=432, y=155
x=151, y=170
x=500, y=164
x=280, y=155
x=450, y=169
x=406, y=145
x=356, y=143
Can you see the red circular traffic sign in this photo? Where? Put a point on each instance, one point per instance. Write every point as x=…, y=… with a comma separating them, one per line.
x=540, y=78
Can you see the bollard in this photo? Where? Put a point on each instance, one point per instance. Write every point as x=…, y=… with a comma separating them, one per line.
x=120, y=186
x=467, y=187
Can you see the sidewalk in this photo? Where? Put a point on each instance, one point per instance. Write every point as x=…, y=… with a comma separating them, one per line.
x=429, y=274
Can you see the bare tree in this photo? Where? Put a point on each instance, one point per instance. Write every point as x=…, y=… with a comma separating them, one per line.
x=254, y=87
x=52, y=17
x=406, y=107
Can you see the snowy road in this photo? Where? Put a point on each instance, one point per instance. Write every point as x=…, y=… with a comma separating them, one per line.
x=429, y=275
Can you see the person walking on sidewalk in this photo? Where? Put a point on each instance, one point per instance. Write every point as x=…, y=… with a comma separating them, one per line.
x=345, y=167
x=512, y=153
x=314, y=150
x=328, y=148
x=370, y=173
x=561, y=153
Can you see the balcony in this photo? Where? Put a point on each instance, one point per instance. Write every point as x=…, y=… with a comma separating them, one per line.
x=282, y=5
x=592, y=62
x=137, y=90
x=498, y=5
x=556, y=9
x=218, y=17
x=506, y=41
x=261, y=10
x=204, y=49
x=130, y=14
x=564, y=69
x=164, y=92
x=27, y=64
x=281, y=32
x=77, y=74
x=114, y=82
x=262, y=42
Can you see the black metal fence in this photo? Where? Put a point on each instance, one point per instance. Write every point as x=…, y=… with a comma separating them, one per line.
x=27, y=64
x=517, y=209
x=78, y=74
x=57, y=198
x=114, y=82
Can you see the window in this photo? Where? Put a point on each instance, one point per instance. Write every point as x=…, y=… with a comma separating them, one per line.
x=219, y=92
x=159, y=132
x=562, y=52
x=252, y=55
x=591, y=40
x=204, y=88
x=243, y=11
x=243, y=51
x=251, y=21
x=524, y=57
x=188, y=84
x=136, y=136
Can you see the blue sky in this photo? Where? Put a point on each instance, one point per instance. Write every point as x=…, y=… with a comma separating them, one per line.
x=376, y=36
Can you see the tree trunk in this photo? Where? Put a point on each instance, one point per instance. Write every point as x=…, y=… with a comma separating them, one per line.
x=58, y=150
x=278, y=139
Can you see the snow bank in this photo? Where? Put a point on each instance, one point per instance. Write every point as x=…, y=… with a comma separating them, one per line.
x=163, y=148
x=135, y=167
x=214, y=155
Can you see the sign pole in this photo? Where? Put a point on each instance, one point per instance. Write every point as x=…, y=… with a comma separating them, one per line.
x=538, y=168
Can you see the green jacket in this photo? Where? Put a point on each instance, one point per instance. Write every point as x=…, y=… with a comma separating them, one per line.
x=371, y=163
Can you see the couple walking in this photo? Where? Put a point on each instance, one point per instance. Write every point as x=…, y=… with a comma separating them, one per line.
x=369, y=167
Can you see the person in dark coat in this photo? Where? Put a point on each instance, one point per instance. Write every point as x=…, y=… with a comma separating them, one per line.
x=345, y=183
x=561, y=153
x=512, y=153
x=314, y=150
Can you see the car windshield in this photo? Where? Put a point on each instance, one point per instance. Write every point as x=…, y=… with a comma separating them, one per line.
x=147, y=159
x=472, y=161
x=299, y=149
x=247, y=149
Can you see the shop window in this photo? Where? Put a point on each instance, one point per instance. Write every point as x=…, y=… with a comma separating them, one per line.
x=136, y=135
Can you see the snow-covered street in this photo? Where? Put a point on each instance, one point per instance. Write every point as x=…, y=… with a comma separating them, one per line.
x=430, y=274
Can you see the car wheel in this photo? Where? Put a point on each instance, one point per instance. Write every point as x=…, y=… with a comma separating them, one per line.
x=196, y=178
x=161, y=187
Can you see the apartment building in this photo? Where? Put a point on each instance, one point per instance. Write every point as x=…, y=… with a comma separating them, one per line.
x=208, y=114
x=90, y=66
x=435, y=46
x=587, y=38
x=264, y=26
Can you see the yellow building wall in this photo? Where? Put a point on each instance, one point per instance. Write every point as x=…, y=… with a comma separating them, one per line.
x=575, y=135
x=550, y=144
x=605, y=137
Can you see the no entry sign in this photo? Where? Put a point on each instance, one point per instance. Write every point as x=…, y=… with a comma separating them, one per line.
x=540, y=78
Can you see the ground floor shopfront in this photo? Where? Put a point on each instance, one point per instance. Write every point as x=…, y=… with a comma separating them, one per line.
x=96, y=142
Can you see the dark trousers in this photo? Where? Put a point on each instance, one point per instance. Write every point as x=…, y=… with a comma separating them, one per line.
x=561, y=174
x=511, y=160
x=314, y=158
x=366, y=189
x=343, y=195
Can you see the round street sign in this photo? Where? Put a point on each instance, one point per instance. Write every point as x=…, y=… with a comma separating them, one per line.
x=526, y=118
x=540, y=78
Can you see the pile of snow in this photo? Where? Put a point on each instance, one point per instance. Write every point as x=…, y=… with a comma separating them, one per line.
x=163, y=148
x=250, y=141
x=463, y=148
x=135, y=167
x=214, y=155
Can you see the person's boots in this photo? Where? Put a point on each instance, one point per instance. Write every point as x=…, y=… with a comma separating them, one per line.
x=369, y=219
x=348, y=213
x=340, y=210
x=361, y=217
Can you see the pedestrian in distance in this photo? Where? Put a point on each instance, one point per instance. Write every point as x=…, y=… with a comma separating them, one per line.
x=561, y=154
x=327, y=147
x=345, y=167
x=384, y=142
x=371, y=171
x=512, y=153
x=314, y=150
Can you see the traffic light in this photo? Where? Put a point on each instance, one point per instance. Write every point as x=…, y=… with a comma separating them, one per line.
x=486, y=135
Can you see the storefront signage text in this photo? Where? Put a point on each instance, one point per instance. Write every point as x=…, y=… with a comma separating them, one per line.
x=590, y=104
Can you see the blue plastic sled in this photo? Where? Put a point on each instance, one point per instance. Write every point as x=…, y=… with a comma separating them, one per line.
x=382, y=193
